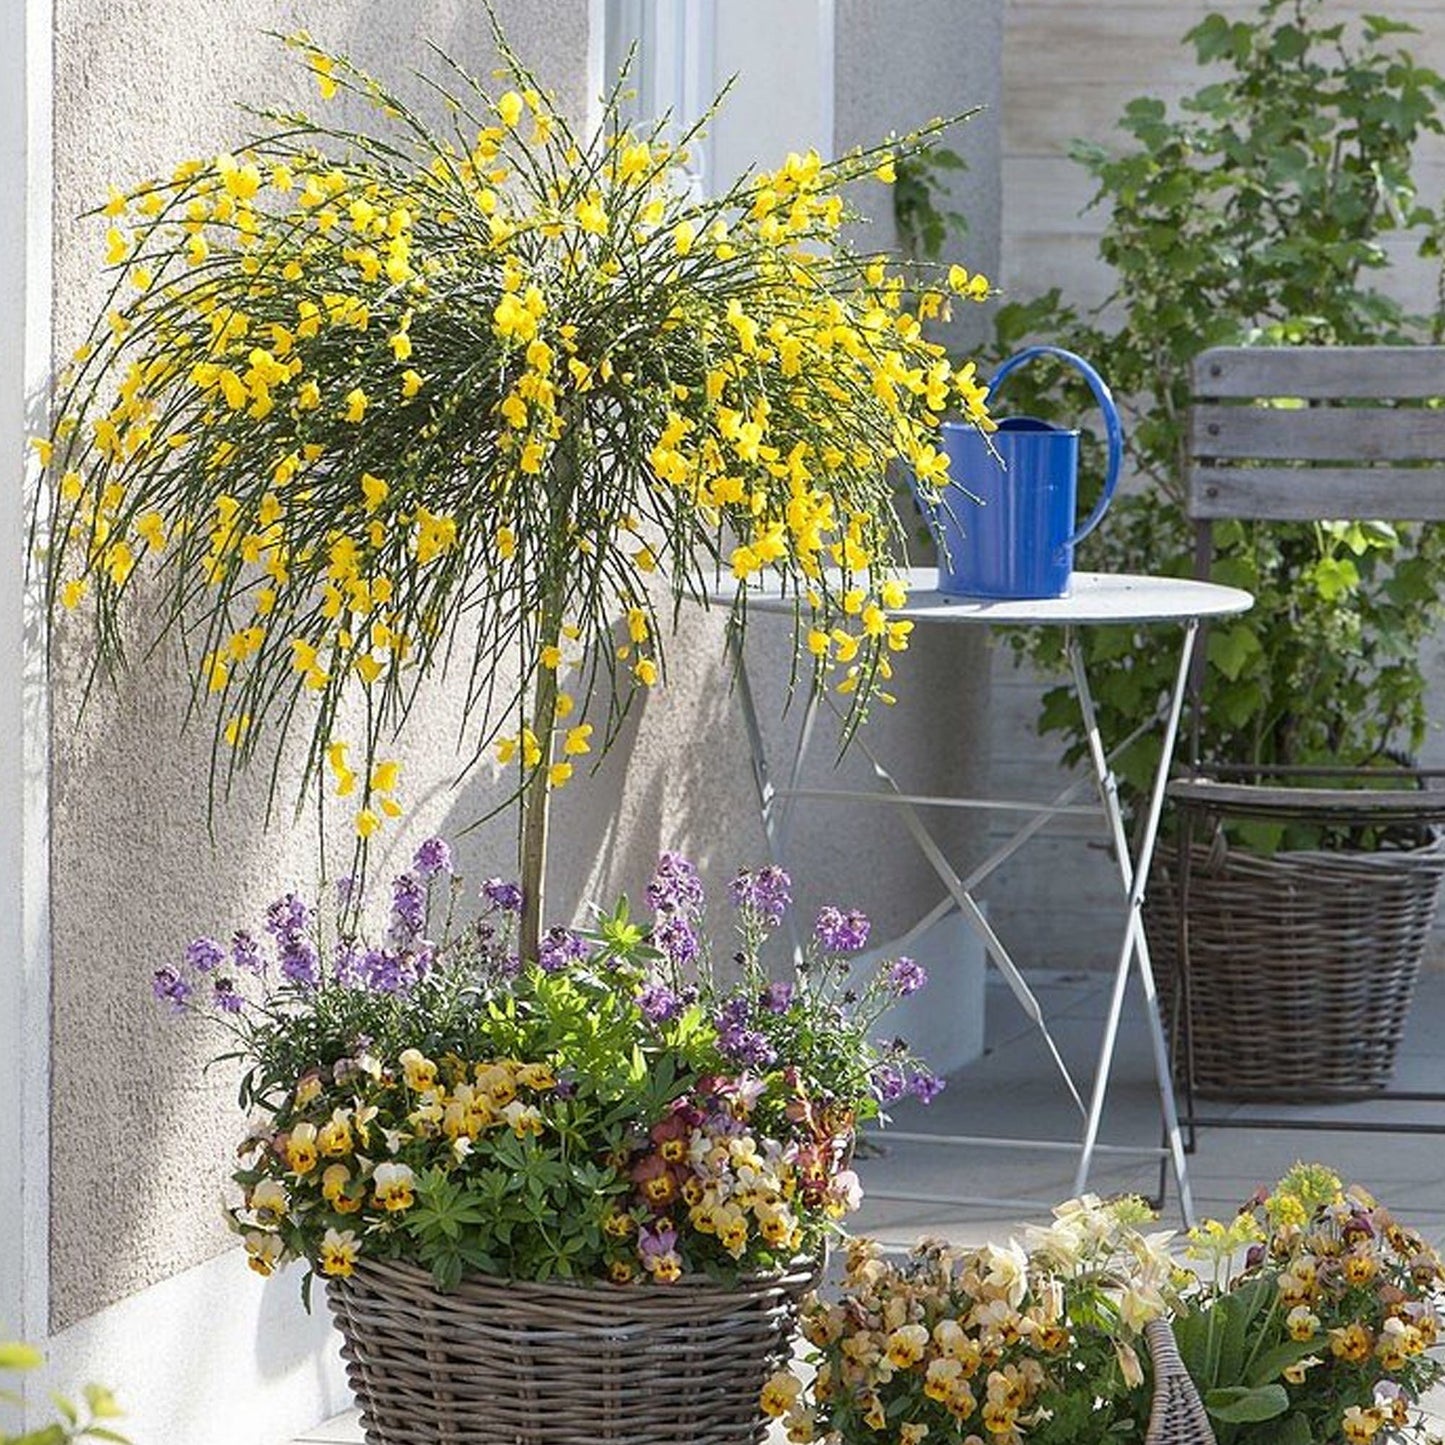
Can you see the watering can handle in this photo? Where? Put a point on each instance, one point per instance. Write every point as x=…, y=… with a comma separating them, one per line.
x=1113, y=428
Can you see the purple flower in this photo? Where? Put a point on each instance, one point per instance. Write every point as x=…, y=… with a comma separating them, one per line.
x=408, y=908
x=676, y=938
x=246, y=953
x=502, y=895
x=840, y=932
x=348, y=964
x=765, y=893
x=389, y=971
x=205, y=954
x=345, y=891
x=675, y=887
x=289, y=915
x=906, y=977
x=889, y=1083
x=777, y=998
x=659, y=1003
x=433, y=857
x=169, y=987
x=299, y=961
x=226, y=997
x=738, y=1040
x=926, y=1086
x=559, y=948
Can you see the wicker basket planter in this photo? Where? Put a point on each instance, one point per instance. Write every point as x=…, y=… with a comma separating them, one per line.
x=1302, y=965
x=507, y=1362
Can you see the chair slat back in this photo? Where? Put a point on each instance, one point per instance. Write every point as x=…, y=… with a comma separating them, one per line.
x=1299, y=433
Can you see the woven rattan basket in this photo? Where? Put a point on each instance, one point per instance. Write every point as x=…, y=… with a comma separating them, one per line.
x=507, y=1362
x=1302, y=965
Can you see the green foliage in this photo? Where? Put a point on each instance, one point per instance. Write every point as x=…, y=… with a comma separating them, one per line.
x=76, y=1422
x=922, y=227
x=1254, y=212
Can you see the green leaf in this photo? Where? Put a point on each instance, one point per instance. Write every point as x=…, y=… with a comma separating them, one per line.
x=1231, y=648
x=1246, y=1404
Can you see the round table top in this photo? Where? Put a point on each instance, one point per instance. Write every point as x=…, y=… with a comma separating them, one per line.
x=1093, y=597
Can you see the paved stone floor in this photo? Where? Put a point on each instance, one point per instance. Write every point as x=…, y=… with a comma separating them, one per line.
x=1013, y=1092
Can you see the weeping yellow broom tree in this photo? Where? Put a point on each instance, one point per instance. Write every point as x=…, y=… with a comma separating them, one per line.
x=368, y=403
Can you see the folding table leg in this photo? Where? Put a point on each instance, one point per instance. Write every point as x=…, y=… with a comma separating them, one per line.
x=1134, y=874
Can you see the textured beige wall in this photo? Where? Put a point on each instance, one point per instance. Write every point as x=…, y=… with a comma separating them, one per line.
x=139, y=1139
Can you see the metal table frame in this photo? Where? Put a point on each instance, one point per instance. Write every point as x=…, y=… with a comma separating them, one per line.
x=1095, y=599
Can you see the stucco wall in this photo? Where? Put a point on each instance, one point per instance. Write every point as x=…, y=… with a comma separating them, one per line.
x=139, y=1139
x=1068, y=70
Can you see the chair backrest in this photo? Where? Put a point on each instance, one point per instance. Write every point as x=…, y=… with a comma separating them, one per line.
x=1352, y=433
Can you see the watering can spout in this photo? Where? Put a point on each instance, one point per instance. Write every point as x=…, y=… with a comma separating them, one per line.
x=1005, y=524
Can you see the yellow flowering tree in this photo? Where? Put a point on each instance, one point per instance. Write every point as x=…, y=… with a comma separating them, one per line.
x=366, y=403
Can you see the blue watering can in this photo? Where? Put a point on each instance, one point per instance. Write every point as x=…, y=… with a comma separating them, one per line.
x=1020, y=542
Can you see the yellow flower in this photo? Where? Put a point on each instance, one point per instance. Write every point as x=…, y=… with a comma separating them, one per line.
x=779, y=1394
x=577, y=740
x=322, y=67
x=300, y=1148
x=509, y=107
x=374, y=489
x=392, y=1186
x=339, y=1250
x=559, y=774
x=355, y=404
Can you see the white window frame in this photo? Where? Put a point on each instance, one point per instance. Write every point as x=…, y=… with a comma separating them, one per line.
x=26, y=27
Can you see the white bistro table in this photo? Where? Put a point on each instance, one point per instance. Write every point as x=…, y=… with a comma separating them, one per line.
x=1095, y=599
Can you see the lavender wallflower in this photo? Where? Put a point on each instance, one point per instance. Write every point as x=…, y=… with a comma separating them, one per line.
x=433, y=857
x=658, y=1003
x=290, y=914
x=926, y=1086
x=738, y=1040
x=299, y=961
x=227, y=999
x=205, y=955
x=408, y=908
x=345, y=891
x=766, y=893
x=559, y=948
x=170, y=988
x=502, y=895
x=246, y=953
x=677, y=939
x=348, y=964
x=675, y=886
x=389, y=971
x=889, y=1083
x=906, y=977
x=840, y=932
x=777, y=998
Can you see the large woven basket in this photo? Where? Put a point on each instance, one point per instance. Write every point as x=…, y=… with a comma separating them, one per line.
x=507, y=1362
x=1302, y=965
